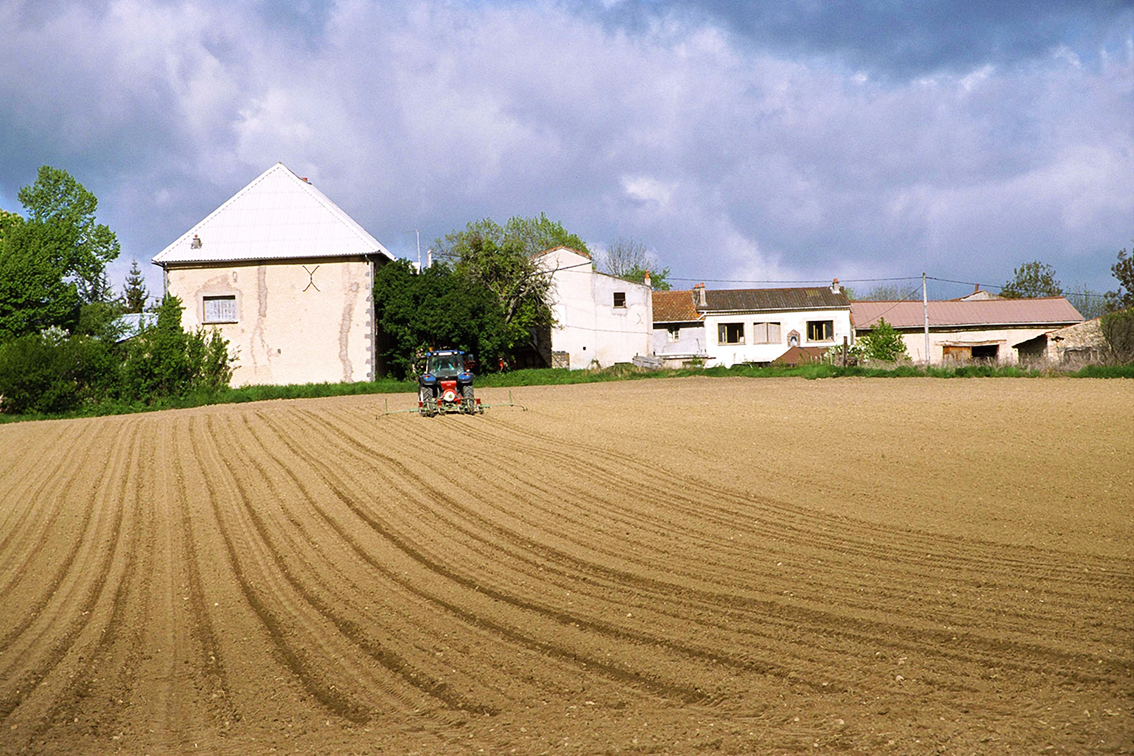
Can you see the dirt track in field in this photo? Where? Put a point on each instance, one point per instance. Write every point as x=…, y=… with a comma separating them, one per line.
x=678, y=566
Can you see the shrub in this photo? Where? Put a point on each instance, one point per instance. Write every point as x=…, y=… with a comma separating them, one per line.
x=47, y=374
x=165, y=361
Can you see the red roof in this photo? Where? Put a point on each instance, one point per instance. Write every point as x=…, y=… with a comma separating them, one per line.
x=675, y=307
x=1049, y=311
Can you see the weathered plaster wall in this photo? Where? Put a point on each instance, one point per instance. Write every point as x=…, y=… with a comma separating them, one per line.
x=589, y=328
x=304, y=321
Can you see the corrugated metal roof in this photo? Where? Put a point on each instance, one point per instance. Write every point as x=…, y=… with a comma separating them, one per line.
x=675, y=307
x=745, y=300
x=1050, y=311
x=278, y=216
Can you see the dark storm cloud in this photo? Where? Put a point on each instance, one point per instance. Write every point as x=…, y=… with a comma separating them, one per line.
x=900, y=39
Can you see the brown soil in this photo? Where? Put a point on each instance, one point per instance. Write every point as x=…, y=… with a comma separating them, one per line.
x=668, y=566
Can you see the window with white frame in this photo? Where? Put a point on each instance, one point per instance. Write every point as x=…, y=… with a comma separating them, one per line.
x=730, y=333
x=673, y=333
x=765, y=333
x=220, y=309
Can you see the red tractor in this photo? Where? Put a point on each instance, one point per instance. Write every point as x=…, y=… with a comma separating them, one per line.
x=446, y=384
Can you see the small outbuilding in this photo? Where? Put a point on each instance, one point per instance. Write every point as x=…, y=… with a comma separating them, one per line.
x=286, y=277
x=988, y=328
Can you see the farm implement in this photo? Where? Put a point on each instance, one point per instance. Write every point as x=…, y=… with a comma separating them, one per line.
x=445, y=386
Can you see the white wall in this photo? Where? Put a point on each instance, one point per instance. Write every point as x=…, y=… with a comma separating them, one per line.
x=732, y=354
x=689, y=344
x=291, y=326
x=588, y=327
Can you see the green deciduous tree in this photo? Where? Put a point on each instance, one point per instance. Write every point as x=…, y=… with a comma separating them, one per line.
x=500, y=260
x=529, y=235
x=1032, y=280
x=33, y=293
x=57, y=198
x=431, y=310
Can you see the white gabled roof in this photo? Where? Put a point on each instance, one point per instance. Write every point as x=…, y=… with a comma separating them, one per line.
x=278, y=216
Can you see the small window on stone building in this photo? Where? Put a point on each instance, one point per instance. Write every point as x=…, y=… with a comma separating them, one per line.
x=220, y=309
x=619, y=299
x=673, y=333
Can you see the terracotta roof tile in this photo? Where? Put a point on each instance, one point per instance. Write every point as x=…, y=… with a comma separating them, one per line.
x=675, y=307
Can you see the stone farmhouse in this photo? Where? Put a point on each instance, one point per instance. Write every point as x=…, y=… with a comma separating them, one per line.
x=287, y=277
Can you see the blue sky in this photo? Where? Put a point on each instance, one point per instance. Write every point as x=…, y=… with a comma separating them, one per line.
x=746, y=144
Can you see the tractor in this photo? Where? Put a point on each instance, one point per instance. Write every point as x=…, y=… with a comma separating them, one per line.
x=446, y=384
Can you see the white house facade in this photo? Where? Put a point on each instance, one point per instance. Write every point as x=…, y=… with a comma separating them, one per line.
x=600, y=320
x=678, y=336
x=760, y=325
x=287, y=277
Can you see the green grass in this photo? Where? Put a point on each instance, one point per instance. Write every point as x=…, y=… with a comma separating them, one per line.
x=559, y=376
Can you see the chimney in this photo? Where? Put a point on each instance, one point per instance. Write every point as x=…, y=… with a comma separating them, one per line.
x=835, y=288
x=976, y=288
x=646, y=280
x=699, y=296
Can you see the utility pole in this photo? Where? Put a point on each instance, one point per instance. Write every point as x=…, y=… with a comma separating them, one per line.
x=925, y=312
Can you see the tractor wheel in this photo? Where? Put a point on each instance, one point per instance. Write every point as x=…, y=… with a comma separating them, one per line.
x=469, y=401
x=425, y=395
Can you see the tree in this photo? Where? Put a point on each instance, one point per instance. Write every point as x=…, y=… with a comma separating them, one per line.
x=522, y=290
x=1089, y=303
x=501, y=261
x=57, y=198
x=135, y=293
x=631, y=260
x=883, y=343
x=1031, y=280
x=1123, y=270
x=530, y=235
x=433, y=309
x=33, y=293
x=885, y=293
x=1118, y=331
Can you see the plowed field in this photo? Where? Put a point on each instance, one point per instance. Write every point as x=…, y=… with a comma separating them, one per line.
x=677, y=566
